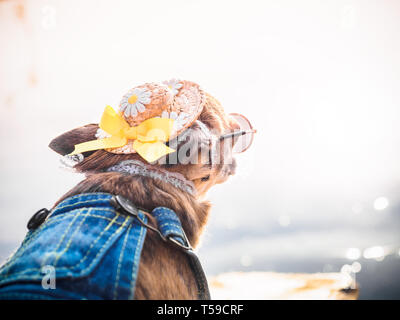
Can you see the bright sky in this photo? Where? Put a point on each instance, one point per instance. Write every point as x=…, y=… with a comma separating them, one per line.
x=319, y=80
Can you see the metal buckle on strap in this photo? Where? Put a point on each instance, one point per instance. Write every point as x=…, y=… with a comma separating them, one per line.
x=180, y=245
x=121, y=203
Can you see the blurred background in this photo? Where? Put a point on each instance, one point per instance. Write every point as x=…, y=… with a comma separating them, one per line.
x=319, y=191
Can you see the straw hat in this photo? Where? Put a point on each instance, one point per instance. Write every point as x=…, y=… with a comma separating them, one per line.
x=180, y=100
x=149, y=116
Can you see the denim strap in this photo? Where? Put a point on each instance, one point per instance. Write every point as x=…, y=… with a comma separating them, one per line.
x=171, y=229
x=169, y=225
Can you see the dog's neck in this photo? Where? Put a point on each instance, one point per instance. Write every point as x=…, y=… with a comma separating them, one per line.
x=148, y=192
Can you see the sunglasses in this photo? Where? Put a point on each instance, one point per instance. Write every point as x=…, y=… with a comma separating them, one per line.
x=242, y=138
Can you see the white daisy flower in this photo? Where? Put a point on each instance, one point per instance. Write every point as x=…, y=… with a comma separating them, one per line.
x=134, y=101
x=180, y=119
x=174, y=85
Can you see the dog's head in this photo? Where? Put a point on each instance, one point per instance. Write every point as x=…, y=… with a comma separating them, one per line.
x=204, y=150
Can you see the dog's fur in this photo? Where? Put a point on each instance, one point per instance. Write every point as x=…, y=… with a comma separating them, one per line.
x=163, y=272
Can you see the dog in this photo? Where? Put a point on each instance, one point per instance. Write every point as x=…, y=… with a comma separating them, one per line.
x=164, y=272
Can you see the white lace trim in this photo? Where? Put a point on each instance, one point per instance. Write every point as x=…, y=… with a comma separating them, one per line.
x=101, y=134
x=135, y=167
x=71, y=161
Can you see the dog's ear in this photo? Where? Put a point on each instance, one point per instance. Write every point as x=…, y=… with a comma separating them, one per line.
x=64, y=144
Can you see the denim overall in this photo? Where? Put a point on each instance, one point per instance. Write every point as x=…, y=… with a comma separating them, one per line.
x=91, y=249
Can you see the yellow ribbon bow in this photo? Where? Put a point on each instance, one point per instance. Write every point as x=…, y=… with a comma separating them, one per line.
x=149, y=136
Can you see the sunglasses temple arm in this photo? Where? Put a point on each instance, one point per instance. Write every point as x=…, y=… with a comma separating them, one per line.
x=234, y=134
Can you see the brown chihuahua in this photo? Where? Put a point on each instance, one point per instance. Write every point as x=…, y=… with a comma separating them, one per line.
x=164, y=272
